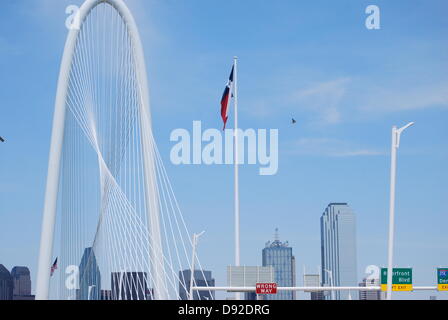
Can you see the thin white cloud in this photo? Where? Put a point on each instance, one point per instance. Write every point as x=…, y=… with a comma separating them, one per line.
x=331, y=147
x=345, y=99
x=324, y=99
x=407, y=98
x=357, y=153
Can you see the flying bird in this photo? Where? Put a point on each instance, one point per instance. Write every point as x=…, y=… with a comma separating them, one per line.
x=293, y=121
x=2, y=140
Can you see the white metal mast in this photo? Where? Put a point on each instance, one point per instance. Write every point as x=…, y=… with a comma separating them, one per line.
x=236, y=159
x=49, y=215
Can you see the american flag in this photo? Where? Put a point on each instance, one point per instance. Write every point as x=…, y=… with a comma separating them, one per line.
x=54, y=267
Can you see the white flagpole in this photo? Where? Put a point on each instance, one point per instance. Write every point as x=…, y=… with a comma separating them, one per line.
x=236, y=157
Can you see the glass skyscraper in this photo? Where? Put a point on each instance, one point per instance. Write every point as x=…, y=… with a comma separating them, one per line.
x=6, y=284
x=89, y=277
x=22, y=283
x=338, y=248
x=279, y=255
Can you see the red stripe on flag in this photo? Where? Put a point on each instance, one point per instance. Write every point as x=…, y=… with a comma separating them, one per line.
x=224, y=106
x=225, y=99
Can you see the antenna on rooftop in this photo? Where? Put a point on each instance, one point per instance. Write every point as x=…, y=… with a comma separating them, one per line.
x=276, y=236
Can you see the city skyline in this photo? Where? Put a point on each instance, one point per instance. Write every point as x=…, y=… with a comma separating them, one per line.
x=338, y=151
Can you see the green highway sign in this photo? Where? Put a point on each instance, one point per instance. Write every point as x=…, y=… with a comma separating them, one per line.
x=401, y=279
x=442, y=279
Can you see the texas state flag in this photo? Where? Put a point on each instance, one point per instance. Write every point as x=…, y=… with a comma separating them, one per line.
x=225, y=98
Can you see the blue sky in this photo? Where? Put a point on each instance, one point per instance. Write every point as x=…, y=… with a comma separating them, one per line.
x=313, y=60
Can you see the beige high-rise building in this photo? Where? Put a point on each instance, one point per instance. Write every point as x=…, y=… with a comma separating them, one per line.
x=369, y=294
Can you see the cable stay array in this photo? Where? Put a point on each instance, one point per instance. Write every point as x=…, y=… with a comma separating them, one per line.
x=119, y=231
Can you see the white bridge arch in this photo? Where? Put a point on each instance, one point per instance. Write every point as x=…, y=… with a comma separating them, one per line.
x=102, y=109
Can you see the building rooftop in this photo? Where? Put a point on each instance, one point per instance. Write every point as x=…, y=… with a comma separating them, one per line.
x=3, y=270
x=19, y=270
x=277, y=242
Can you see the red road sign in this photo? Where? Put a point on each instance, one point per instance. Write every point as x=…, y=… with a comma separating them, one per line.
x=266, y=288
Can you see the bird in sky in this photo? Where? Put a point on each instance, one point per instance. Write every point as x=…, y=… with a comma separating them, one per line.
x=293, y=121
x=2, y=140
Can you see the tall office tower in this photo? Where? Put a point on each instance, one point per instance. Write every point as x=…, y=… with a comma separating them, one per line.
x=89, y=277
x=129, y=286
x=338, y=248
x=22, y=283
x=251, y=296
x=279, y=255
x=369, y=294
x=201, y=279
x=6, y=284
x=293, y=266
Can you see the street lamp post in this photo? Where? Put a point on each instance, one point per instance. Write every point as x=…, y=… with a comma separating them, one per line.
x=193, y=258
x=396, y=133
